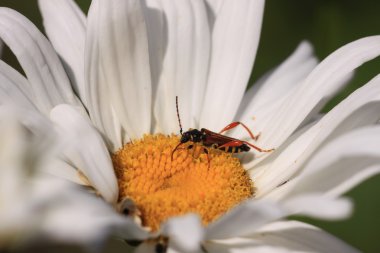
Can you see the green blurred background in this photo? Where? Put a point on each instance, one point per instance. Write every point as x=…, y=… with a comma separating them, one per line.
x=328, y=24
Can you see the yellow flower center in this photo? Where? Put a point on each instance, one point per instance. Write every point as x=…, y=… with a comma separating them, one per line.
x=162, y=187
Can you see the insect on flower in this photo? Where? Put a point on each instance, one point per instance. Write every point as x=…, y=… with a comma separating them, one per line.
x=217, y=140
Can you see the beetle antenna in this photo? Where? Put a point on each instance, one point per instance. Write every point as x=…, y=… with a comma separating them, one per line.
x=179, y=119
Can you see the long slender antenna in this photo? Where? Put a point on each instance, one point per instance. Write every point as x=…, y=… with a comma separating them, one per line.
x=179, y=119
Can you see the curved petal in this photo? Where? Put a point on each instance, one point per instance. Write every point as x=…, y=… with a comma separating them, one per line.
x=157, y=40
x=85, y=149
x=14, y=88
x=74, y=216
x=258, y=170
x=185, y=233
x=181, y=61
x=241, y=245
x=280, y=82
x=297, y=236
x=213, y=9
x=65, y=25
x=283, y=236
x=97, y=94
x=235, y=38
x=244, y=219
x=34, y=121
x=359, y=109
x=356, y=158
x=13, y=148
x=62, y=169
x=118, y=49
x=319, y=206
x=326, y=78
x=247, y=218
x=43, y=69
x=25, y=138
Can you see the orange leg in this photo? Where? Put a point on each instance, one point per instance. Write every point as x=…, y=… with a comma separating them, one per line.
x=178, y=148
x=238, y=143
x=204, y=149
x=235, y=124
x=257, y=148
x=208, y=157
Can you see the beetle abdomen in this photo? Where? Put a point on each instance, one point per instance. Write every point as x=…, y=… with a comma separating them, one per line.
x=237, y=149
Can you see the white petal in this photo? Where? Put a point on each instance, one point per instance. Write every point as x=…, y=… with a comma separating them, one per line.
x=319, y=206
x=242, y=245
x=43, y=69
x=1, y=48
x=356, y=157
x=359, y=109
x=258, y=170
x=12, y=157
x=244, y=219
x=235, y=38
x=14, y=88
x=65, y=25
x=62, y=169
x=201, y=62
x=77, y=217
x=283, y=236
x=185, y=233
x=85, y=149
x=36, y=123
x=25, y=136
x=118, y=50
x=157, y=39
x=248, y=217
x=280, y=82
x=181, y=60
x=97, y=94
x=214, y=7
x=325, y=79
x=354, y=144
x=296, y=236
x=101, y=111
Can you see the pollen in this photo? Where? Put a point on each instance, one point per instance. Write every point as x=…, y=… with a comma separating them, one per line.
x=162, y=186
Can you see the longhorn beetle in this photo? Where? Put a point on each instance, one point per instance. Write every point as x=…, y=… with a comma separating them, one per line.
x=216, y=140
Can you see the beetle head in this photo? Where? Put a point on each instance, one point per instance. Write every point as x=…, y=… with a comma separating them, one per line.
x=186, y=136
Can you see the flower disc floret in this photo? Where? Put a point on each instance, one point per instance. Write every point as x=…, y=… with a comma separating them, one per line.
x=162, y=187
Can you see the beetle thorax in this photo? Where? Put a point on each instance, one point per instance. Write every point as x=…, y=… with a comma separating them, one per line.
x=193, y=135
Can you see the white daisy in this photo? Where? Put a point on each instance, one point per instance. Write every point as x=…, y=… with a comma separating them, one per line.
x=128, y=60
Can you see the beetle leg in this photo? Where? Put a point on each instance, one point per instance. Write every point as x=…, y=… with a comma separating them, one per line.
x=179, y=144
x=257, y=148
x=208, y=157
x=235, y=124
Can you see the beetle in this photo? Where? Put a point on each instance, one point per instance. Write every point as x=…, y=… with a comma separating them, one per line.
x=210, y=139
